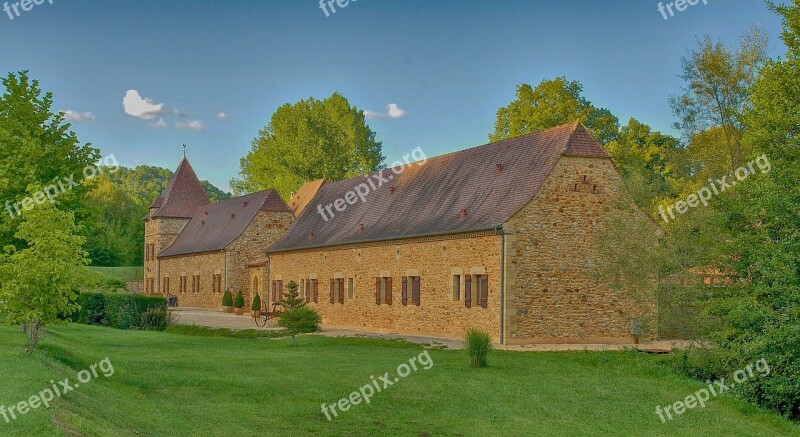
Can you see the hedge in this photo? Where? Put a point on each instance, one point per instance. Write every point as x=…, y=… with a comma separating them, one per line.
x=122, y=311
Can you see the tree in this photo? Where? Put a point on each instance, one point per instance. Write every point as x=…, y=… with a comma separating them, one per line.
x=552, y=103
x=761, y=312
x=717, y=94
x=646, y=160
x=296, y=317
x=41, y=280
x=312, y=139
x=37, y=148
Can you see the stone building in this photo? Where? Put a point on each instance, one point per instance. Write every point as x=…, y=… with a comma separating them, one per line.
x=499, y=237
x=196, y=250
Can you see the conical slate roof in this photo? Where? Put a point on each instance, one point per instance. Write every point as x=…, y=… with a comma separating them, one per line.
x=182, y=196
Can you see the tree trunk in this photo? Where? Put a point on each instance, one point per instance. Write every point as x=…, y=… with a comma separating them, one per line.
x=33, y=335
x=24, y=327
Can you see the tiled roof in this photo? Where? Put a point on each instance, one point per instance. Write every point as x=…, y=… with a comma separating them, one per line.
x=182, y=196
x=300, y=199
x=471, y=190
x=214, y=227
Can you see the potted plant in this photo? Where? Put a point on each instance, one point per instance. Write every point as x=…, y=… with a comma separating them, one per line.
x=238, y=304
x=227, y=302
x=256, y=306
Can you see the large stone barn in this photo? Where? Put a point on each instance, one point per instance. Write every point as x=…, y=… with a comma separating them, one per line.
x=499, y=237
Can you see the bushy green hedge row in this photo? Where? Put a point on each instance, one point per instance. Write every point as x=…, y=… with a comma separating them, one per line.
x=122, y=311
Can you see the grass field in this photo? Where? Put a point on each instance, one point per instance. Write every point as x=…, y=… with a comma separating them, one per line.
x=167, y=384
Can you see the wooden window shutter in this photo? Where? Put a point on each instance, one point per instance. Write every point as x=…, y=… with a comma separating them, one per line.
x=280, y=290
x=307, y=288
x=274, y=291
x=468, y=291
x=484, y=291
x=415, y=291
x=333, y=291
x=341, y=291
x=388, y=291
x=404, y=291
x=378, y=291
x=316, y=290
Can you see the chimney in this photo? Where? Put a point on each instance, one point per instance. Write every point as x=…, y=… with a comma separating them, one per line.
x=310, y=234
x=361, y=227
x=498, y=168
x=391, y=189
x=464, y=213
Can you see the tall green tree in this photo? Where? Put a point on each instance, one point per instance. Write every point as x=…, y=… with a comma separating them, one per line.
x=41, y=279
x=718, y=80
x=761, y=310
x=311, y=139
x=297, y=318
x=552, y=103
x=37, y=147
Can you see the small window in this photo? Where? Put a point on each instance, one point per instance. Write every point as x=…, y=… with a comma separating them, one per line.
x=457, y=288
x=350, y=288
x=383, y=291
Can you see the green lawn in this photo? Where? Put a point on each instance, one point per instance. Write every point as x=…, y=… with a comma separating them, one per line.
x=167, y=384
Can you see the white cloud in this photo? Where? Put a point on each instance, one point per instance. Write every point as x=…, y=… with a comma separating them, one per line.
x=141, y=107
x=160, y=123
x=392, y=111
x=195, y=125
x=222, y=116
x=75, y=116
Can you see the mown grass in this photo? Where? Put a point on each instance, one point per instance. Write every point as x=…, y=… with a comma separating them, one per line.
x=175, y=384
x=203, y=331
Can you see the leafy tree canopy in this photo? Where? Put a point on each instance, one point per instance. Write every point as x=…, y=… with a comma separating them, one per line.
x=552, y=103
x=311, y=139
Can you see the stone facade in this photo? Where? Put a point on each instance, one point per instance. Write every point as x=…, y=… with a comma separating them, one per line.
x=552, y=294
x=231, y=263
x=206, y=265
x=435, y=260
x=161, y=232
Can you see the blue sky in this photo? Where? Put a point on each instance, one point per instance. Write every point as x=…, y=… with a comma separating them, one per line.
x=447, y=65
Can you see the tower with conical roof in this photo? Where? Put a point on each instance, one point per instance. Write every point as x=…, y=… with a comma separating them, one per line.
x=167, y=216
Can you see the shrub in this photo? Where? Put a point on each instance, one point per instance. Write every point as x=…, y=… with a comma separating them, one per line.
x=256, y=306
x=239, y=301
x=296, y=317
x=227, y=299
x=122, y=311
x=478, y=344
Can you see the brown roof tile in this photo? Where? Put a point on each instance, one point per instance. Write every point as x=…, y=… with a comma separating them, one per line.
x=214, y=227
x=182, y=196
x=470, y=190
x=303, y=196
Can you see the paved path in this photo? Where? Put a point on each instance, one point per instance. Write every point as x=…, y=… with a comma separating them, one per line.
x=217, y=319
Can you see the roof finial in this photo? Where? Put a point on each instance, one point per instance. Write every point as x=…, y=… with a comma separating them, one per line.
x=184, y=151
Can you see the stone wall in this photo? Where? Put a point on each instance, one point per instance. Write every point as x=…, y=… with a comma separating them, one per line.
x=206, y=265
x=162, y=232
x=265, y=229
x=434, y=260
x=552, y=294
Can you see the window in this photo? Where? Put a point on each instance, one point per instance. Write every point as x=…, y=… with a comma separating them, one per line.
x=337, y=290
x=350, y=288
x=383, y=291
x=195, y=283
x=456, y=287
x=166, y=284
x=480, y=285
x=182, y=286
x=315, y=290
x=277, y=290
x=216, y=283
